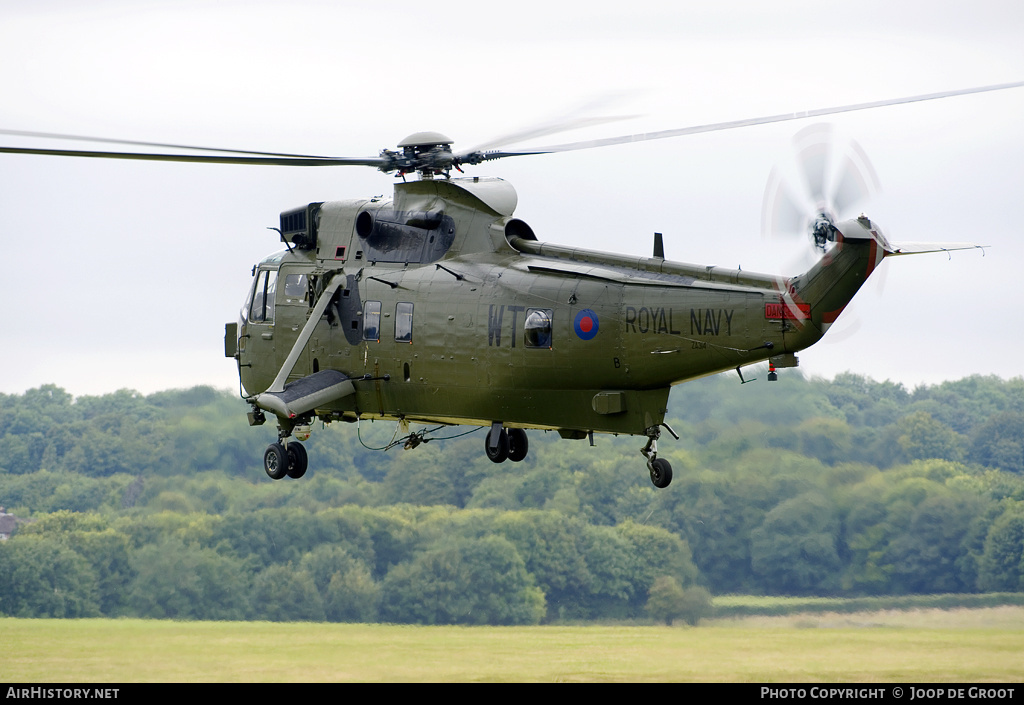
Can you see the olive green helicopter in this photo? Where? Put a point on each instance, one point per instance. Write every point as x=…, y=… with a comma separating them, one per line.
x=439, y=307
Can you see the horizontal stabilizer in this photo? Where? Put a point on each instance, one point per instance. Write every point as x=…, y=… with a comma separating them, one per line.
x=921, y=248
x=304, y=395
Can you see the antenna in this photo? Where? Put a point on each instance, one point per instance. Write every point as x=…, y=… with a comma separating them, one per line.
x=659, y=246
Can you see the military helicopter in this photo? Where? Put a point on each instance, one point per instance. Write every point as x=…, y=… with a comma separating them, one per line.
x=439, y=306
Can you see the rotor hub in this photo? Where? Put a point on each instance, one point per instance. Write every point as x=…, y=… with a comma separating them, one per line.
x=425, y=140
x=823, y=230
x=428, y=153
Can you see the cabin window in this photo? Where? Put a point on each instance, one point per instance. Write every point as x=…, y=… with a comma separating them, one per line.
x=403, y=323
x=262, y=308
x=537, y=329
x=295, y=288
x=371, y=321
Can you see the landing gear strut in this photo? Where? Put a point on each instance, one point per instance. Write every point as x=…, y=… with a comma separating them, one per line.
x=660, y=469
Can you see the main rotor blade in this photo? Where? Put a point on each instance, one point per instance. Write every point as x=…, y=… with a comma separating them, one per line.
x=109, y=140
x=714, y=127
x=857, y=181
x=550, y=128
x=580, y=116
x=206, y=159
x=783, y=214
x=813, y=157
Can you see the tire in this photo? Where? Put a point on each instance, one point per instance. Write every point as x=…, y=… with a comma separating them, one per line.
x=661, y=473
x=499, y=454
x=518, y=444
x=297, y=460
x=275, y=461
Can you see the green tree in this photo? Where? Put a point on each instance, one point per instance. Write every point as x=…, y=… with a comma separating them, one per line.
x=610, y=579
x=827, y=439
x=928, y=557
x=109, y=553
x=273, y=536
x=1002, y=563
x=555, y=550
x=352, y=595
x=283, y=594
x=347, y=588
x=41, y=577
x=665, y=600
x=176, y=581
x=467, y=581
x=922, y=437
x=696, y=605
x=794, y=549
x=999, y=442
x=715, y=514
x=654, y=552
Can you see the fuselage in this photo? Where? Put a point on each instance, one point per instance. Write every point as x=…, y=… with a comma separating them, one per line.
x=457, y=314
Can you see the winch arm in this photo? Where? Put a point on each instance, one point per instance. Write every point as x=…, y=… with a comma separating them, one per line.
x=300, y=343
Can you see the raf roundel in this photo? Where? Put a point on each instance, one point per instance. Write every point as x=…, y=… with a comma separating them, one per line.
x=586, y=324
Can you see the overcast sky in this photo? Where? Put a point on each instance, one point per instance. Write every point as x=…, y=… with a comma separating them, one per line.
x=123, y=274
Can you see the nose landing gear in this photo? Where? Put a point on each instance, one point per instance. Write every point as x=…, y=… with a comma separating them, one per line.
x=280, y=460
x=287, y=457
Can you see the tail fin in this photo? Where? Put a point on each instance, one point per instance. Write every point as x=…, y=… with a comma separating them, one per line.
x=821, y=293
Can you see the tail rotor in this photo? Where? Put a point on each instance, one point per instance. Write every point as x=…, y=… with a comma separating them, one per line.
x=823, y=182
x=806, y=198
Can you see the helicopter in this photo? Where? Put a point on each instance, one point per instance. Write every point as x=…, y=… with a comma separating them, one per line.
x=438, y=306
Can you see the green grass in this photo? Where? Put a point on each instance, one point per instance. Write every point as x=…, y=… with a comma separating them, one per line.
x=923, y=646
x=745, y=605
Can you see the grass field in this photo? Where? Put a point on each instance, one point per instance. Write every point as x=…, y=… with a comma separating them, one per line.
x=920, y=646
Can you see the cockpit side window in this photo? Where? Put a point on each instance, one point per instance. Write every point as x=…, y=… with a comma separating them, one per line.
x=261, y=310
x=245, y=312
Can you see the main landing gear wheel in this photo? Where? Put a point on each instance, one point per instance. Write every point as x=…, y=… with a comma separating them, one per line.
x=518, y=444
x=661, y=472
x=275, y=461
x=298, y=461
x=496, y=444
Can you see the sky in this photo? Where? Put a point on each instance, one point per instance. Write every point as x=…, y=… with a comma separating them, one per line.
x=122, y=274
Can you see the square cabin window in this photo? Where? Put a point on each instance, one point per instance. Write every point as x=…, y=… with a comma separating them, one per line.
x=371, y=321
x=403, y=323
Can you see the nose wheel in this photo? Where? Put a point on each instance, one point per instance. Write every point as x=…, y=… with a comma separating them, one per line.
x=279, y=460
x=275, y=461
x=298, y=461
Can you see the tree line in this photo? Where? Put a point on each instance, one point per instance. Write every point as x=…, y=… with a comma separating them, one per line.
x=403, y=564
x=158, y=506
